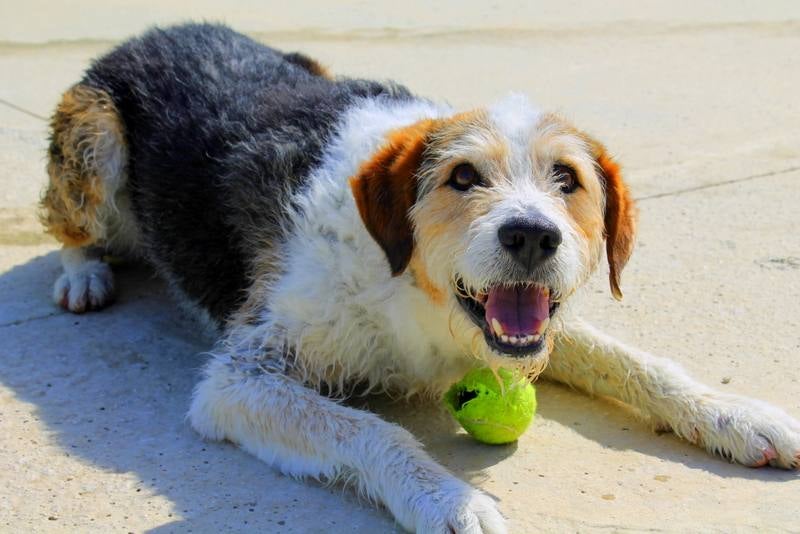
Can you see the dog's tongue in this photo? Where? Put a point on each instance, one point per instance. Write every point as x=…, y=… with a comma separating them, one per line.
x=519, y=310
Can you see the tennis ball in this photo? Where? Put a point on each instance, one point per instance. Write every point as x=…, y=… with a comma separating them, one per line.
x=489, y=412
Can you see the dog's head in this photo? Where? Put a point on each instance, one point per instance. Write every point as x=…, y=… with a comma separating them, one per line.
x=500, y=213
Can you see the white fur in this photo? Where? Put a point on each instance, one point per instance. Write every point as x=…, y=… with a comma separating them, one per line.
x=368, y=316
x=344, y=318
x=743, y=430
x=306, y=435
x=86, y=283
x=347, y=318
x=365, y=319
x=483, y=264
x=515, y=116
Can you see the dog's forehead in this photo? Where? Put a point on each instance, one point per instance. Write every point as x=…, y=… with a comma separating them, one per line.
x=515, y=118
x=514, y=121
x=533, y=137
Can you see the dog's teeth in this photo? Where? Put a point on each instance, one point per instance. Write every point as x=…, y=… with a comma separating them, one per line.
x=514, y=340
x=497, y=327
x=528, y=339
x=536, y=337
x=543, y=326
x=504, y=338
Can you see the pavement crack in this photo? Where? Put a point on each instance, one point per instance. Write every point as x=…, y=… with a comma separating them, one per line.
x=718, y=184
x=29, y=319
x=22, y=110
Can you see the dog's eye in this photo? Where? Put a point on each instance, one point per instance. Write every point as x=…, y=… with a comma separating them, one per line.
x=463, y=177
x=566, y=177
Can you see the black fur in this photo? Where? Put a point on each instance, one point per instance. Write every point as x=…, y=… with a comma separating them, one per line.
x=219, y=129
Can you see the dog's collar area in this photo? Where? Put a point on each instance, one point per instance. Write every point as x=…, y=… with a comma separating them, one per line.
x=520, y=315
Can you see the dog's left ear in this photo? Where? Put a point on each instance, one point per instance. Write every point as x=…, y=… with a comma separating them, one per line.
x=385, y=189
x=620, y=219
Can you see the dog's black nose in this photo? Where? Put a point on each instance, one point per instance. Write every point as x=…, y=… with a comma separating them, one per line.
x=529, y=241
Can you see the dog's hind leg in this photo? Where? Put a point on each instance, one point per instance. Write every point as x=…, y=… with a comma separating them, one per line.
x=743, y=430
x=304, y=434
x=86, y=168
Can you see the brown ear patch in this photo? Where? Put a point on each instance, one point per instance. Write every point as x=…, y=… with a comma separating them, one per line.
x=620, y=219
x=385, y=189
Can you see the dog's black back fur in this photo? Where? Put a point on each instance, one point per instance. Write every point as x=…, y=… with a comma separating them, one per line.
x=219, y=128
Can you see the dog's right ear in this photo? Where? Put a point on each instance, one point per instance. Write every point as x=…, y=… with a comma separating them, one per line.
x=620, y=218
x=385, y=189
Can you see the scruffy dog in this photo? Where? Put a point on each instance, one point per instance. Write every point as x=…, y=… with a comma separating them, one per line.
x=340, y=232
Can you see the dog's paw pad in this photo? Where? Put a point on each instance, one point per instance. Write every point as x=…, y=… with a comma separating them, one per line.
x=89, y=288
x=769, y=455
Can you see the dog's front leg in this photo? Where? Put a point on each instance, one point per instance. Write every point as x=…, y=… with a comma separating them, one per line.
x=744, y=430
x=302, y=433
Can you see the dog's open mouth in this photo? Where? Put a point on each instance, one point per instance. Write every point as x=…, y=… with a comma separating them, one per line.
x=514, y=318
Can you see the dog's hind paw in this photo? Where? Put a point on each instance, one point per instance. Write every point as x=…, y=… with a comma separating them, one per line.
x=90, y=287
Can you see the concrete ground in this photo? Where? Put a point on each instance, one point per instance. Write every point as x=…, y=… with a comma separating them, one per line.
x=699, y=101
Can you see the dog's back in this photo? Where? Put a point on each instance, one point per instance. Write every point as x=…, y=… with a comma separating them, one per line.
x=215, y=132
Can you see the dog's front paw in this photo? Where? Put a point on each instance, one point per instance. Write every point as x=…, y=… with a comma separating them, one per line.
x=451, y=507
x=743, y=430
x=90, y=287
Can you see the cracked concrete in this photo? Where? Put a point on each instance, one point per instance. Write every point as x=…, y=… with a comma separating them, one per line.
x=699, y=103
x=718, y=184
x=22, y=110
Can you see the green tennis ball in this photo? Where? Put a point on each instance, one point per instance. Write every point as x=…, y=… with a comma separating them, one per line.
x=491, y=413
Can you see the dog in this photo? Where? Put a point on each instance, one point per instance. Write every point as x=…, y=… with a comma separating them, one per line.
x=340, y=233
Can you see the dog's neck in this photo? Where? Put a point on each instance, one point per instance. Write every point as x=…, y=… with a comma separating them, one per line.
x=331, y=253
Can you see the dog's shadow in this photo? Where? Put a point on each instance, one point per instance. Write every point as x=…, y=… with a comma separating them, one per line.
x=604, y=421
x=113, y=388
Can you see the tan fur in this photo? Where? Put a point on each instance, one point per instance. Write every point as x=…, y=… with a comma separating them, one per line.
x=386, y=187
x=310, y=64
x=317, y=69
x=423, y=281
x=445, y=211
x=620, y=219
x=619, y=215
x=85, y=126
x=585, y=210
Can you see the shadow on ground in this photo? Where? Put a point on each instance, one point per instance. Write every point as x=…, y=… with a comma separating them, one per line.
x=114, y=386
